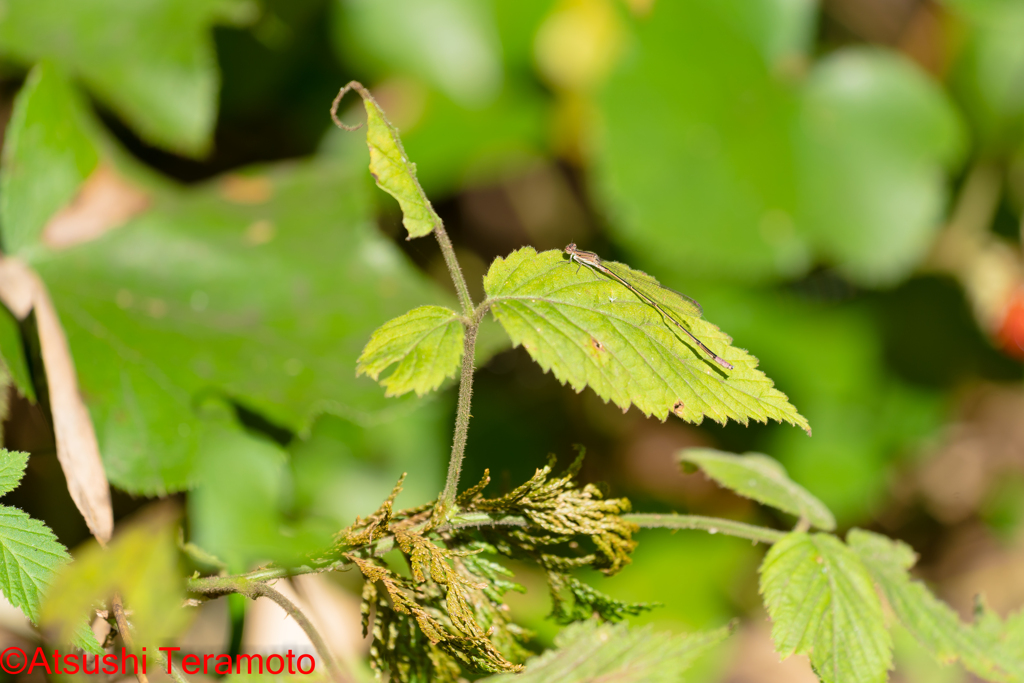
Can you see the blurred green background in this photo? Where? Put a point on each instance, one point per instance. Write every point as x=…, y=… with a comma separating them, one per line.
x=839, y=183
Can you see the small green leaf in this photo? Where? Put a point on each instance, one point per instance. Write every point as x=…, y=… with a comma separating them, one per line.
x=426, y=343
x=392, y=169
x=12, y=469
x=823, y=604
x=591, y=651
x=29, y=556
x=47, y=155
x=932, y=622
x=141, y=564
x=589, y=330
x=763, y=479
x=12, y=352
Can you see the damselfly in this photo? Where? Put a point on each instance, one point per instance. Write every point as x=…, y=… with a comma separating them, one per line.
x=593, y=261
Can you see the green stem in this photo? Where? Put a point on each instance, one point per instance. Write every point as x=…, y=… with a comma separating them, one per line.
x=448, y=251
x=446, y=502
x=714, y=525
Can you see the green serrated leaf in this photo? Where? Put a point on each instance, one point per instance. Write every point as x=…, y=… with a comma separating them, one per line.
x=426, y=343
x=47, y=154
x=29, y=556
x=141, y=564
x=822, y=603
x=394, y=172
x=763, y=479
x=932, y=622
x=12, y=469
x=591, y=651
x=591, y=331
x=152, y=62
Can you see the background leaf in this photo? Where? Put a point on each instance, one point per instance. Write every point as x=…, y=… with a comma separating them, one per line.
x=860, y=183
x=590, y=651
x=591, y=331
x=12, y=353
x=48, y=153
x=877, y=134
x=237, y=508
x=426, y=343
x=823, y=604
x=452, y=44
x=264, y=305
x=165, y=87
x=695, y=164
x=763, y=479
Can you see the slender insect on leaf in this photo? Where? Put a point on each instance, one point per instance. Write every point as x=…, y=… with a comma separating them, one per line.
x=683, y=302
x=634, y=344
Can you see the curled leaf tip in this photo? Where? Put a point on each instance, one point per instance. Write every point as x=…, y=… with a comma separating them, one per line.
x=351, y=85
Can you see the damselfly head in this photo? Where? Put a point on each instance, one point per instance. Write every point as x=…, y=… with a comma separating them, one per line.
x=571, y=248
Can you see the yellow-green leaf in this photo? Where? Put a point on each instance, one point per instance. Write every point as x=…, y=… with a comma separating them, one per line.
x=141, y=564
x=589, y=330
x=392, y=169
x=763, y=479
x=426, y=343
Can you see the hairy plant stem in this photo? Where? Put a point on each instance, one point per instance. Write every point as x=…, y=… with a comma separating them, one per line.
x=254, y=588
x=714, y=525
x=239, y=583
x=448, y=251
x=446, y=502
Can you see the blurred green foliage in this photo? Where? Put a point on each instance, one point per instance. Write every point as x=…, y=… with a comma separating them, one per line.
x=787, y=169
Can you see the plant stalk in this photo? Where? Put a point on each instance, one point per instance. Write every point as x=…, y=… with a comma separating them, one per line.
x=117, y=607
x=253, y=588
x=448, y=251
x=446, y=502
x=713, y=525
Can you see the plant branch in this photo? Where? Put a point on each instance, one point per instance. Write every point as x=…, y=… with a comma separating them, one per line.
x=713, y=525
x=117, y=607
x=448, y=251
x=447, y=499
x=253, y=588
x=302, y=620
